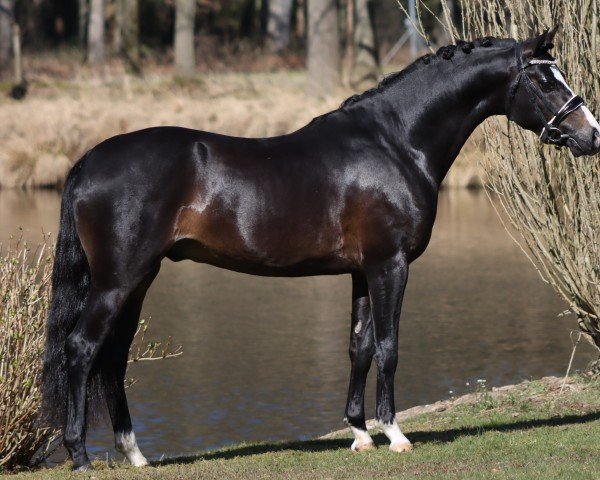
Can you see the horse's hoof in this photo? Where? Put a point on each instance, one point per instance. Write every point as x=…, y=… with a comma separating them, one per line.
x=86, y=467
x=362, y=447
x=140, y=462
x=400, y=447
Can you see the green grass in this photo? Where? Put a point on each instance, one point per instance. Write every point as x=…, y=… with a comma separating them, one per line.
x=529, y=432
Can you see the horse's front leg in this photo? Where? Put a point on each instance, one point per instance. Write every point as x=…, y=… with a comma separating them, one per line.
x=362, y=348
x=387, y=282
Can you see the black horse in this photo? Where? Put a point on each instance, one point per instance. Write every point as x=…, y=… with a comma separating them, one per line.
x=354, y=191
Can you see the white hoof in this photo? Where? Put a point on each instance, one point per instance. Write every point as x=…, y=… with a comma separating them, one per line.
x=126, y=444
x=362, y=440
x=362, y=447
x=400, y=447
x=398, y=442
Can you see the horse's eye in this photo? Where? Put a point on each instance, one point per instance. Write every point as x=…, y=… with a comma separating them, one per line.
x=547, y=85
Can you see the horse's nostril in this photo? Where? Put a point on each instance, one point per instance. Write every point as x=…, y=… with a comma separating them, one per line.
x=596, y=139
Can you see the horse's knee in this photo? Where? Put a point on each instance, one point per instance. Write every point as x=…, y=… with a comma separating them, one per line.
x=80, y=353
x=72, y=440
x=355, y=415
x=387, y=360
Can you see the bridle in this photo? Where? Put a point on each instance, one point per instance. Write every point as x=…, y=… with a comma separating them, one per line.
x=551, y=132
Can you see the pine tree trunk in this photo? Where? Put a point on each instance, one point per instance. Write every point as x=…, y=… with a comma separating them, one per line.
x=185, y=56
x=5, y=33
x=278, y=26
x=96, y=47
x=323, y=47
x=366, y=64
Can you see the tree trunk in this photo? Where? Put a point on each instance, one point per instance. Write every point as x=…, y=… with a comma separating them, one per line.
x=185, y=56
x=82, y=22
x=278, y=26
x=131, y=32
x=5, y=32
x=366, y=64
x=323, y=47
x=96, y=48
x=32, y=25
x=18, y=59
x=116, y=26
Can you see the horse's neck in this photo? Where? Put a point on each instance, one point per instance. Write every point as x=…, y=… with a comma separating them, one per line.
x=452, y=101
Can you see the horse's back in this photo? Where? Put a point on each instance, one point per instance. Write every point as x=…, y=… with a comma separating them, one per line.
x=300, y=204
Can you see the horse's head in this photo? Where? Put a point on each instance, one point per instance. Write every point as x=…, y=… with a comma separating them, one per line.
x=541, y=101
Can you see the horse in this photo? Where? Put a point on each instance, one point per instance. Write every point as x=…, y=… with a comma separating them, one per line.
x=353, y=192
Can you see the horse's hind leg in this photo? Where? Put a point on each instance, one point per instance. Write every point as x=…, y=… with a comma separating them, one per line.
x=111, y=288
x=362, y=348
x=116, y=367
x=82, y=347
x=387, y=282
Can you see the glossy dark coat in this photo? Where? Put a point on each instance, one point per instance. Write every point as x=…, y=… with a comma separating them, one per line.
x=355, y=191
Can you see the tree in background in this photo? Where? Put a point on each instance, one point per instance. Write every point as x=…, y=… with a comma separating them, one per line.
x=185, y=52
x=126, y=39
x=323, y=54
x=82, y=17
x=95, y=43
x=278, y=26
x=6, y=9
x=366, y=55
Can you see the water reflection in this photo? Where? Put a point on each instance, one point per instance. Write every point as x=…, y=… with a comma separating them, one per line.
x=267, y=358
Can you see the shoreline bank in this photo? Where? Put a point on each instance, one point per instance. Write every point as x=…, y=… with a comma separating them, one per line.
x=535, y=429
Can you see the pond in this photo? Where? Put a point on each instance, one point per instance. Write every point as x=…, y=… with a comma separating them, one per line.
x=266, y=359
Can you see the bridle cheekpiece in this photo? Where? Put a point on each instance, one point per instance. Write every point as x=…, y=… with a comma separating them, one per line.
x=551, y=132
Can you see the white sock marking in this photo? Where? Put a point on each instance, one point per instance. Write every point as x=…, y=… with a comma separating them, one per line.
x=126, y=444
x=361, y=438
x=395, y=435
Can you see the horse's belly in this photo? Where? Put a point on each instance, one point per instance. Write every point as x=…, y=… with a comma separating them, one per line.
x=296, y=249
x=265, y=265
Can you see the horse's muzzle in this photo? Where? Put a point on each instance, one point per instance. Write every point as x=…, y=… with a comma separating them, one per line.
x=579, y=145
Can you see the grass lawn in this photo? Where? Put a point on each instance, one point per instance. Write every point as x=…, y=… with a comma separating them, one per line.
x=529, y=431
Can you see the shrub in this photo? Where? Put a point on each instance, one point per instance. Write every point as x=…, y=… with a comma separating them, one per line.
x=550, y=199
x=24, y=300
x=25, y=275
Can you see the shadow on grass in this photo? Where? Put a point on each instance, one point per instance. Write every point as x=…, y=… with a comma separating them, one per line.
x=434, y=436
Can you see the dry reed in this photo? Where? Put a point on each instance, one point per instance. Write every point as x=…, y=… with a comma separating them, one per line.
x=41, y=137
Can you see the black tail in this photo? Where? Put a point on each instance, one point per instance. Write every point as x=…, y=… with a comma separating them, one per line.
x=70, y=287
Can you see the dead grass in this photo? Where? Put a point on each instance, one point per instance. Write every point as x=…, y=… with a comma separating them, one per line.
x=69, y=110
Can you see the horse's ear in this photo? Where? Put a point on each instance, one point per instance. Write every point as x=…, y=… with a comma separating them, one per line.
x=536, y=46
x=550, y=35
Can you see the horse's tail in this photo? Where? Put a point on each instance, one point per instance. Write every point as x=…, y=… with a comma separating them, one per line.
x=70, y=287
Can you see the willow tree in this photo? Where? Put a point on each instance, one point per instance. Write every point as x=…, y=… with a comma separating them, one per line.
x=550, y=199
